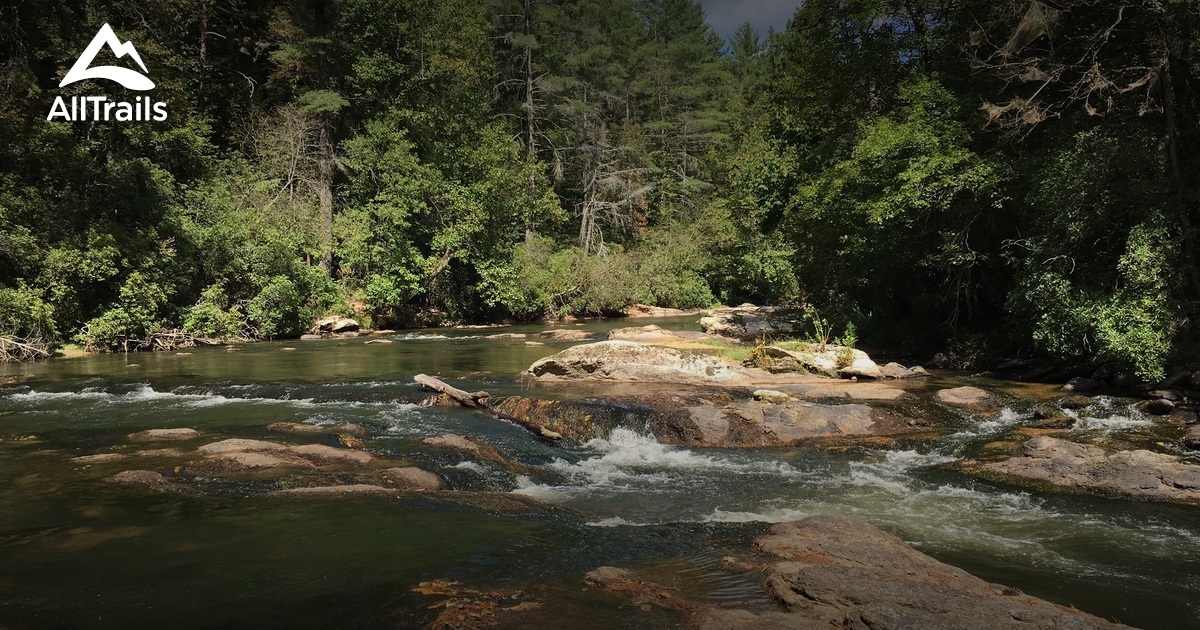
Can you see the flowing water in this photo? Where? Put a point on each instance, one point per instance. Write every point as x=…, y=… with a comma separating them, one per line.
x=78, y=552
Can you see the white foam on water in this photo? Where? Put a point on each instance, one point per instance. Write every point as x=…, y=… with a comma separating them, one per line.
x=34, y=396
x=199, y=400
x=615, y=521
x=1002, y=421
x=471, y=466
x=770, y=515
x=1107, y=415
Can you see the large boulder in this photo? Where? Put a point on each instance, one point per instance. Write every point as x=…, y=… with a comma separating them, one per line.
x=1069, y=466
x=1191, y=437
x=832, y=361
x=334, y=324
x=625, y=361
x=748, y=322
x=708, y=419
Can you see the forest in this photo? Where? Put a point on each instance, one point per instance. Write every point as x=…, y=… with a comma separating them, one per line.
x=982, y=178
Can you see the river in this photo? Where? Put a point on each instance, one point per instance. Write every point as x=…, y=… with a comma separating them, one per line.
x=78, y=552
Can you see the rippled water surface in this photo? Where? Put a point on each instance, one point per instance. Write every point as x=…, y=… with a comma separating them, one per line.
x=78, y=552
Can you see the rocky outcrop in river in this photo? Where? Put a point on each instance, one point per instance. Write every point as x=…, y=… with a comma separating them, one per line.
x=830, y=572
x=1063, y=465
x=729, y=418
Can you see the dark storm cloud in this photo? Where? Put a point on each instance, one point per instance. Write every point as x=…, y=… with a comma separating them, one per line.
x=726, y=16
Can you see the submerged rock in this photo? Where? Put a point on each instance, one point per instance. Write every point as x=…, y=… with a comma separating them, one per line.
x=157, y=435
x=333, y=491
x=467, y=446
x=1069, y=466
x=1058, y=422
x=144, y=478
x=99, y=458
x=299, y=428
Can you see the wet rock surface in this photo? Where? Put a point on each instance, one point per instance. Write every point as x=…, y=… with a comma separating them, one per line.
x=968, y=397
x=636, y=363
x=749, y=322
x=414, y=479
x=471, y=448
x=162, y=435
x=566, y=334
x=830, y=572
x=643, y=334
x=1064, y=465
x=706, y=419
x=314, y=429
x=143, y=478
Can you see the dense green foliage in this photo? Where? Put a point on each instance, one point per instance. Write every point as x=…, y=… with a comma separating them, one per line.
x=1008, y=177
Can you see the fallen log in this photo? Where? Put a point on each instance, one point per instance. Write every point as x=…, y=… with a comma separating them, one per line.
x=478, y=400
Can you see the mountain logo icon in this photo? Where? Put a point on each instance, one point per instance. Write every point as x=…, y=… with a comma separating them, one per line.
x=126, y=77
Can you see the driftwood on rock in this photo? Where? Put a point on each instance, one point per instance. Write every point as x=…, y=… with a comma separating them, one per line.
x=478, y=400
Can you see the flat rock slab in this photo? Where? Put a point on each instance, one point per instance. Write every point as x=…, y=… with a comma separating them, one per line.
x=99, y=458
x=829, y=572
x=157, y=435
x=333, y=491
x=467, y=446
x=1066, y=465
x=414, y=479
x=643, y=334
x=234, y=445
x=626, y=361
x=566, y=334
x=314, y=429
x=967, y=396
x=846, y=574
x=242, y=454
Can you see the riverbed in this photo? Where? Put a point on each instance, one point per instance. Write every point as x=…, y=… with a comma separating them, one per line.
x=78, y=552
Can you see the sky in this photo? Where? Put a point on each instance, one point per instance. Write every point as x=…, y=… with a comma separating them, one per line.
x=726, y=16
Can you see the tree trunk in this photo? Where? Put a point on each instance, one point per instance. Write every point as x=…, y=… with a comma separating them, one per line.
x=325, y=197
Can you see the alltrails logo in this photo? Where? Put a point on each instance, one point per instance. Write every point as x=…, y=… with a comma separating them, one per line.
x=99, y=108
